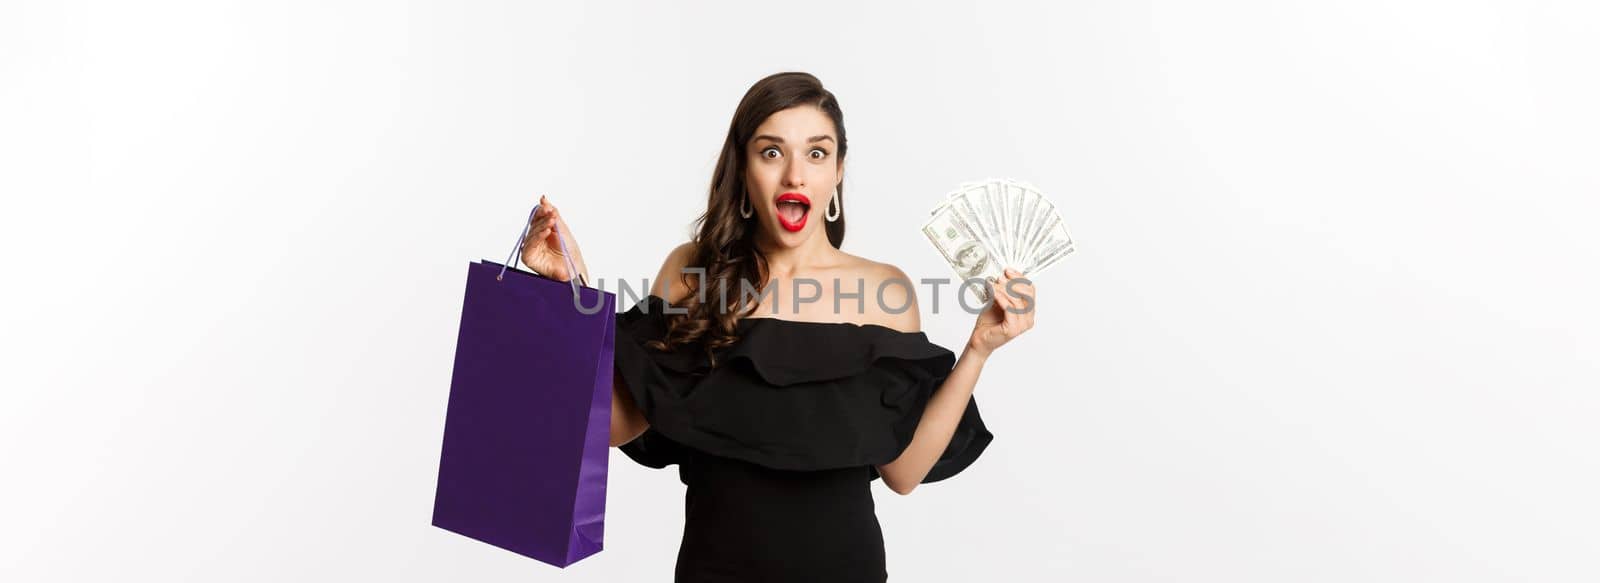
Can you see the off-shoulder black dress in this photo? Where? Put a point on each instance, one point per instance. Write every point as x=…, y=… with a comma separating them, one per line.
x=777, y=444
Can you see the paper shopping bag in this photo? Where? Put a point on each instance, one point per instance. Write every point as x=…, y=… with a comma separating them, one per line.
x=527, y=429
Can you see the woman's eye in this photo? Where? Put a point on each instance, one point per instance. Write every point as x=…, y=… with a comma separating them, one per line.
x=815, y=152
x=770, y=149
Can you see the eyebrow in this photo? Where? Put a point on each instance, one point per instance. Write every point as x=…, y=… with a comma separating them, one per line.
x=780, y=140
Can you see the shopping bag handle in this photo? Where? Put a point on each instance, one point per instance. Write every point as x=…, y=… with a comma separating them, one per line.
x=516, y=252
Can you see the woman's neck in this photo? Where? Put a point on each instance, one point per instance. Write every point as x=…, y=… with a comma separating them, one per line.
x=785, y=262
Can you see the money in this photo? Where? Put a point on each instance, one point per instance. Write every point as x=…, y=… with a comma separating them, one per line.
x=962, y=247
x=971, y=210
x=983, y=227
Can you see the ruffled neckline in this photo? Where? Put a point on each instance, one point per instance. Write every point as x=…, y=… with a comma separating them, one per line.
x=789, y=352
x=751, y=321
x=788, y=395
x=655, y=304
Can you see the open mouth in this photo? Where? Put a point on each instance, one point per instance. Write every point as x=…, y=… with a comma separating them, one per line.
x=793, y=208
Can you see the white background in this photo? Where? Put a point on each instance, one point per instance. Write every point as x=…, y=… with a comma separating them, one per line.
x=1331, y=318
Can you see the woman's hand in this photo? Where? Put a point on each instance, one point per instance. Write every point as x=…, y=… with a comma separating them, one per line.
x=542, y=251
x=1007, y=316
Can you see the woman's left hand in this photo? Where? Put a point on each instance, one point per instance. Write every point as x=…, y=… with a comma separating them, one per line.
x=1008, y=315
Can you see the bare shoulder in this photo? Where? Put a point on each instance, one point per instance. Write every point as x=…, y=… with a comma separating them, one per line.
x=671, y=282
x=891, y=298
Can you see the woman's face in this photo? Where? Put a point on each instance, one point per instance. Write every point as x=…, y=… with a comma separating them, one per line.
x=792, y=172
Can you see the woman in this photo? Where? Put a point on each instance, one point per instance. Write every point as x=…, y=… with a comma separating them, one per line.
x=781, y=413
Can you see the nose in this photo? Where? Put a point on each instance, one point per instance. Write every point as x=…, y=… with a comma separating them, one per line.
x=794, y=174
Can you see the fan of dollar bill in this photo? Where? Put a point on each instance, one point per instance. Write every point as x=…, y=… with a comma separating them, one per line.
x=982, y=228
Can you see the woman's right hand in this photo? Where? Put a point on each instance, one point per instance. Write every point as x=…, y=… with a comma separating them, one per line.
x=542, y=251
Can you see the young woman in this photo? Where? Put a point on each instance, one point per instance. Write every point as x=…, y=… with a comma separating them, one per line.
x=780, y=413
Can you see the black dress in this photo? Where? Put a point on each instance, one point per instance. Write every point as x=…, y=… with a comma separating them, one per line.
x=777, y=444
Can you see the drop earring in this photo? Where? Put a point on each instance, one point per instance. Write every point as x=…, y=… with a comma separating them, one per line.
x=834, y=208
x=744, y=207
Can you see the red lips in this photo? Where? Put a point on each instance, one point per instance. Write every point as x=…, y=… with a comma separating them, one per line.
x=793, y=209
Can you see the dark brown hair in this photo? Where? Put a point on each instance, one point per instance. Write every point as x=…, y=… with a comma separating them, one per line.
x=724, y=243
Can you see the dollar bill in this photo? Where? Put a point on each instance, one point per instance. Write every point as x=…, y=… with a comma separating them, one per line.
x=983, y=227
x=1056, y=244
x=1015, y=198
x=1045, y=220
x=961, y=245
x=1050, y=259
x=972, y=211
x=1032, y=215
x=997, y=223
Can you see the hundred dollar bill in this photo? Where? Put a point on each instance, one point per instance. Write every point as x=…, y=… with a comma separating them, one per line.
x=1002, y=217
x=1015, y=198
x=1033, y=210
x=961, y=245
x=983, y=227
x=1036, y=238
x=973, y=207
x=1051, y=259
x=1055, y=244
x=989, y=203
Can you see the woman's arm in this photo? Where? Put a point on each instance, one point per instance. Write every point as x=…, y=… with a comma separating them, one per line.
x=1009, y=315
x=937, y=426
x=627, y=421
x=543, y=254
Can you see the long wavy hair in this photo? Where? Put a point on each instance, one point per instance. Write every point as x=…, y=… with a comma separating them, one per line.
x=724, y=243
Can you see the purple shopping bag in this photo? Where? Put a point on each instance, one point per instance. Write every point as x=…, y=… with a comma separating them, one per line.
x=527, y=431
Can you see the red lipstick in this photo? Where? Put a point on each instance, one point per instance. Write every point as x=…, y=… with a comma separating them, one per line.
x=793, y=209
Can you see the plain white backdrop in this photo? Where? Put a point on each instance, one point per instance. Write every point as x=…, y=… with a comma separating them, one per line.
x=1331, y=317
